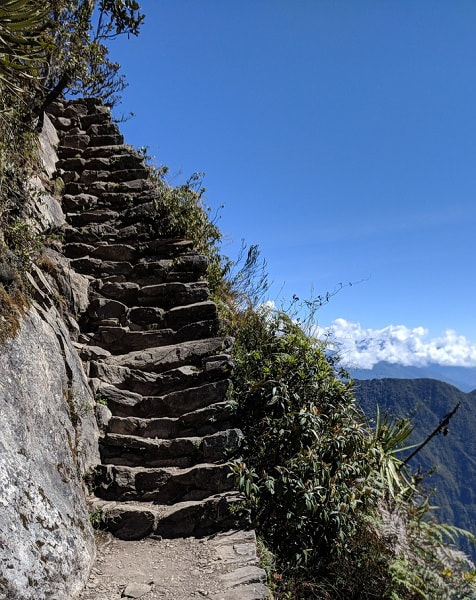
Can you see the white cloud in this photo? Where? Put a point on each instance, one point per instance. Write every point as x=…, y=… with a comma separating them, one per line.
x=363, y=348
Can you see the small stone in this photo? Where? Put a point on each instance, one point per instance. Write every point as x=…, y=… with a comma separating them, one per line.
x=136, y=590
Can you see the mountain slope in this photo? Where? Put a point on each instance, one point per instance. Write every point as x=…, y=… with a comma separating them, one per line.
x=464, y=378
x=426, y=401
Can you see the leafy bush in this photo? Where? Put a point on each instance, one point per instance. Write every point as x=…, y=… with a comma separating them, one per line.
x=306, y=465
x=330, y=497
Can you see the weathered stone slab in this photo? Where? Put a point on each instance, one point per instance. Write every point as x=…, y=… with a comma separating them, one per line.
x=168, y=295
x=77, y=250
x=117, y=252
x=76, y=141
x=181, y=315
x=102, y=308
x=101, y=268
x=169, y=357
x=106, y=140
x=125, y=292
x=79, y=201
x=131, y=450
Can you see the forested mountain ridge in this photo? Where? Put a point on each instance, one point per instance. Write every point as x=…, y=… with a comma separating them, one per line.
x=464, y=378
x=452, y=456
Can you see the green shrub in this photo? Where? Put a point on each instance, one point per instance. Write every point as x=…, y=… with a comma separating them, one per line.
x=306, y=464
x=326, y=492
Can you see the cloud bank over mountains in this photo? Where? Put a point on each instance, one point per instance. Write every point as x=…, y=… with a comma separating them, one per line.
x=363, y=348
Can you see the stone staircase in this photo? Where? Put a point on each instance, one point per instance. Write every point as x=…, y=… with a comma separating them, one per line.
x=150, y=341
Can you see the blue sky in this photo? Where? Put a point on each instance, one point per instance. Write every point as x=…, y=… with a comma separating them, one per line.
x=339, y=135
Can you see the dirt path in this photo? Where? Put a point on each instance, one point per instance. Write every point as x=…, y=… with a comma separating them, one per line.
x=222, y=567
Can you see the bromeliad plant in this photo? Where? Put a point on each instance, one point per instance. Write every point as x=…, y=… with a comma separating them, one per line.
x=21, y=23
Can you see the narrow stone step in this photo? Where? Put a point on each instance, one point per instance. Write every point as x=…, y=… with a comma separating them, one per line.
x=123, y=291
x=93, y=118
x=117, y=380
x=201, y=422
x=116, y=252
x=133, y=521
x=123, y=201
x=200, y=318
x=168, y=295
x=79, y=202
x=96, y=267
x=182, y=268
x=162, y=359
x=98, y=187
x=99, y=215
x=90, y=234
x=71, y=164
x=167, y=485
x=109, y=150
x=119, y=339
x=104, y=128
x=116, y=176
x=106, y=140
x=136, y=451
x=77, y=249
x=176, y=403
x=118, y=162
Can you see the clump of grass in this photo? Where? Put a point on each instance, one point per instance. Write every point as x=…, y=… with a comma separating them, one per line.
x=13, y=304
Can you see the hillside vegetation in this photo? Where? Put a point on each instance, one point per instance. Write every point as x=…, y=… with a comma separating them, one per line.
x=450, y=458
x=338, y=514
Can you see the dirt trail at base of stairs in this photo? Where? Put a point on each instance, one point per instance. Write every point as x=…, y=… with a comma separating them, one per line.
x=171, y=569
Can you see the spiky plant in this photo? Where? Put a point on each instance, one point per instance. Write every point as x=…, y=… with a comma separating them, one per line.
x=21, y=22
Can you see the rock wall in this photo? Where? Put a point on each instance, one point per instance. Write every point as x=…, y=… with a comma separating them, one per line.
x=48, y=434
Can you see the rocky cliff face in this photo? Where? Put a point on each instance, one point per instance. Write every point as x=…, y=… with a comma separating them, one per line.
x=48, y=434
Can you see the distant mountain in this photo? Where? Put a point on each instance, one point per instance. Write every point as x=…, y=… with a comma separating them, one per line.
x=464, y=378
x=426, y=401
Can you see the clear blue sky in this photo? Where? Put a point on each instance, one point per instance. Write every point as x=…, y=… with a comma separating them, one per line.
x=339, y=135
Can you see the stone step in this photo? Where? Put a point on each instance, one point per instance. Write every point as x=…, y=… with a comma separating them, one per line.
x=167, y=485
x=168, y=295
x=119, y=339
x=94, y=118
x=109, y=232
x=175, y=403
x=134, y=451
x=96, y=267
x=116, y=176
x=186, y=264
x=90, y=234
x=104, y=128
x=119, y=162
x=125, y=201
x=106, y=140
x=122, y=379
x=201, y=422
x=134, y=521
x=198, y=317
x=109, y=150
x=165, y=358
x=122, y=291
x=183, y=269
x=68, y=151
x=110, y=164
x=97, y=188
x=98, y=215
x=77, y=141
x=79, y=202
